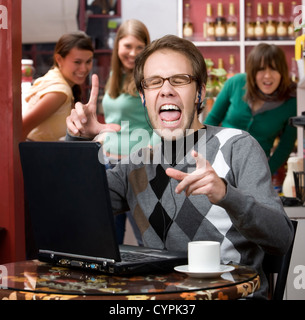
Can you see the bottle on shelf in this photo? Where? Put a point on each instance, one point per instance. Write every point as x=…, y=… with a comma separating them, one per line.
x=221, y=74
x=231, y=70
x=294, y=73
x=188, y=28
x=232, y=30
x=271, y=25
x=294, y=164
x=209, y=25
x=112, y=25
x=249, y=23
x=27, y=72
x=210, y=94
x=292, y=34
x=220, y=24
x=282, y=27
x=259, y=28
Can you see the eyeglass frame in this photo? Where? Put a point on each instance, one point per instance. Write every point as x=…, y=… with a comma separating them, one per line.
x=191, y=78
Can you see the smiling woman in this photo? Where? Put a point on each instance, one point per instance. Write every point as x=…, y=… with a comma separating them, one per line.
x=52, y=96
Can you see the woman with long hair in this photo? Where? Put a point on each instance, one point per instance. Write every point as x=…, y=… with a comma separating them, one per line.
x=52, y=96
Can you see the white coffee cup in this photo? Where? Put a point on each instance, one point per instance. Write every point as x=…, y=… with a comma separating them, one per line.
x=203, y=256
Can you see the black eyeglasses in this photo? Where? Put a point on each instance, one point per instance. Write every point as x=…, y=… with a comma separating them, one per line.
x=175, y=80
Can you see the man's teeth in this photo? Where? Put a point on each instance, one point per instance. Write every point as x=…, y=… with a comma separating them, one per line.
x=169, y=107
x=170, y=122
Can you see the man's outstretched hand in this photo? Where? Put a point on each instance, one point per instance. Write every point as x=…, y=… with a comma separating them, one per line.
x=204, y=180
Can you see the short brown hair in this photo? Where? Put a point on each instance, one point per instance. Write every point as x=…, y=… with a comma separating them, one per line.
x=262, y=56
x=177, y=44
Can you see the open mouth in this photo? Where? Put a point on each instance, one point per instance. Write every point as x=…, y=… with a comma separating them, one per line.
x=170, y=114
x=267, y=83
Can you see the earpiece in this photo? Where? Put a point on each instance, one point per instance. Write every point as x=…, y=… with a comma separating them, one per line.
x=199, y=101
x=144, y=102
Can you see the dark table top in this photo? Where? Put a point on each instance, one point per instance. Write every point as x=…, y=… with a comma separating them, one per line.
x=33, y=279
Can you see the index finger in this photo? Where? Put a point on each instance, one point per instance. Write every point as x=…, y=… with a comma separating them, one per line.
x=94, y=90
x=175, y=174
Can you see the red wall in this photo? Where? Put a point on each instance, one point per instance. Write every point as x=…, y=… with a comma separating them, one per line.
x=12, y=243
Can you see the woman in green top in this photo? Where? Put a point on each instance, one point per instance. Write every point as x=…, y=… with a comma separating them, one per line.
x=122, y=104
x=260, y=102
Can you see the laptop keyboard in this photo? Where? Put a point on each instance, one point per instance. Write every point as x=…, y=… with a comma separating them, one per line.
x=135, y=256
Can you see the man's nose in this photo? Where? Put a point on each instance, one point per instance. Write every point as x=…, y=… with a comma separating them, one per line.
x=167, y=88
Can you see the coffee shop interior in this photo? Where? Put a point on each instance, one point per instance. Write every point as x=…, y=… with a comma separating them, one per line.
x=225, y=32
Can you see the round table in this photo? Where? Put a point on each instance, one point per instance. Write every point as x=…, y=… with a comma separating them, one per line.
x=34, y=280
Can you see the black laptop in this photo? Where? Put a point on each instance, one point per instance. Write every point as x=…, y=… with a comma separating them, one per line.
x=71, y=215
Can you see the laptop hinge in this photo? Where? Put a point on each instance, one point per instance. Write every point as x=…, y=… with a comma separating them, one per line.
x=75, y=256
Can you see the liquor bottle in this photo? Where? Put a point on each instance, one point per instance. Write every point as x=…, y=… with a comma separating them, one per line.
x=294, y=73
x=221, y=74
x=292, y=34
x=232, y=31
x=259, y=28
x=231, y=70
x=282, y=27
x=294, y=164
x=249, y=23
x=188, y=28
x=270, y=29
x=220, y=24
x=209, y=96
x=208, y=25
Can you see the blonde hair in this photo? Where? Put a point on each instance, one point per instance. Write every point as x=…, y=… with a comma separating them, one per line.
x=114, y=85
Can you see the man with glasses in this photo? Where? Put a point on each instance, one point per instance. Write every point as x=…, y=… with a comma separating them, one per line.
x=201, y=182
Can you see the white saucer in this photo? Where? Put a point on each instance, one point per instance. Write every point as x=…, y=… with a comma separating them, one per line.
x=205, y=274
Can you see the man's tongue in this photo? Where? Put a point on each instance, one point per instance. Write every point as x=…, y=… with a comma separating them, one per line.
x=170, y=115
